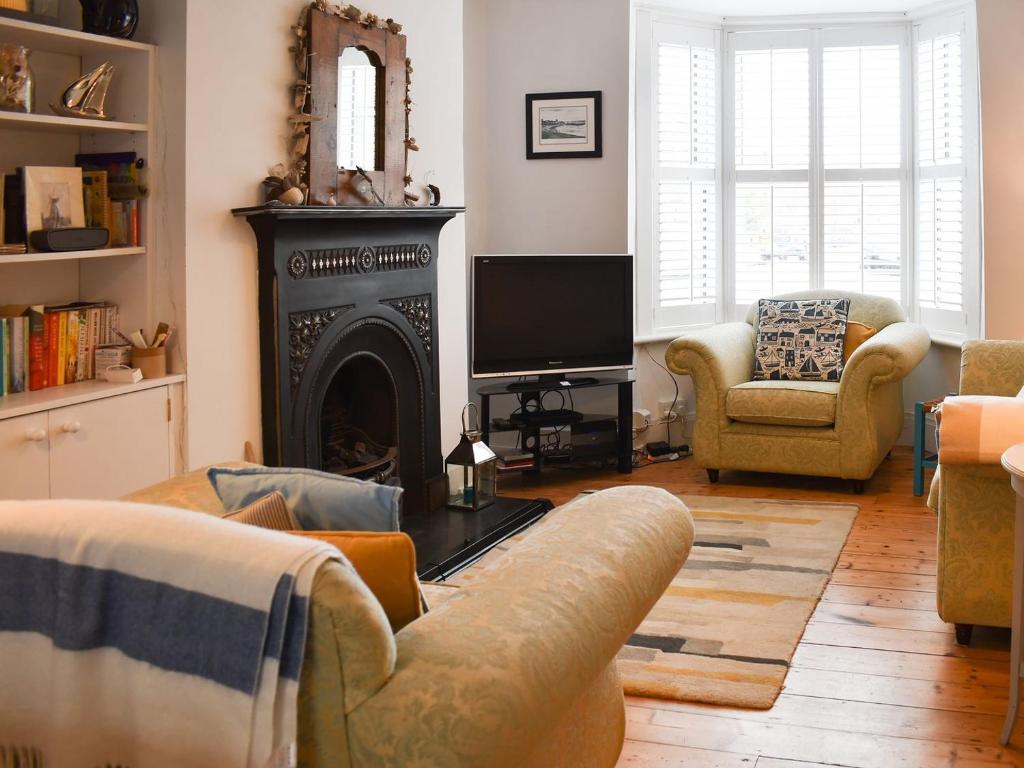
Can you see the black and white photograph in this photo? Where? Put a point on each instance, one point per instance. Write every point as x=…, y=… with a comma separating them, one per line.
x=53, y=198
x=563, y=125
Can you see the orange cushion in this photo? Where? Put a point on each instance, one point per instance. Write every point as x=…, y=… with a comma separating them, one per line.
x=386, y=561
x=856, y=334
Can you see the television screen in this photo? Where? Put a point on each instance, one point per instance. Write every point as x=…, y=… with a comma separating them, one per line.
x=551, y=314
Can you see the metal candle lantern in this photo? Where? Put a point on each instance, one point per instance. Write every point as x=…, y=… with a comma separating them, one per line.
x=479, y=467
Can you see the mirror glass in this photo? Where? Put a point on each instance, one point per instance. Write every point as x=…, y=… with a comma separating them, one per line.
x=357, y=111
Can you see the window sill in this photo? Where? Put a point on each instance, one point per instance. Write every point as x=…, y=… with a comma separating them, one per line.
x=668, y=334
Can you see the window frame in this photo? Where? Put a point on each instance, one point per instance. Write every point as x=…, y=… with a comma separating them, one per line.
x=853, y=30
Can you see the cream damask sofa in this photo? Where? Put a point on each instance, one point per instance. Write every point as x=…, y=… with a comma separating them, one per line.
x=517, y=669
x=975, y=504
x=833, y=429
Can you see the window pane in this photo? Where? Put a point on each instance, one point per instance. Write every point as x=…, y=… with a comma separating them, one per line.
x=772, y=239
x=772, y=109
x=940, y=243
x=862, y=237
x=940, y=97
x=686, y=106
x=862, y=107
x=686, y=243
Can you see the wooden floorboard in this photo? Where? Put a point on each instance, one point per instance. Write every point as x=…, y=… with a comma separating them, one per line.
x=877, y=680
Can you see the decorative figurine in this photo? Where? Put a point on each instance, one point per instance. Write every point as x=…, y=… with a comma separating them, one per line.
x=113, y=18
x=86, y=96
x=16, y=81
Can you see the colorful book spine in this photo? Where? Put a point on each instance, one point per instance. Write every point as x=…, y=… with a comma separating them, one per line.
x=62, y=348
x=52, y=348
x=4, y=357
x=82, y=353
x=94, y=341
x=18, y=359
x=37, y=371
x=71, y=359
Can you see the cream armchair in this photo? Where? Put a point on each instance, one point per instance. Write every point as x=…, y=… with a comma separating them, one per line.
x=833, y=429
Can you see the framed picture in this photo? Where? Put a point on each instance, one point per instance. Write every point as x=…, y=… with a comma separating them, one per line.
x=53, y=198
x=560, y=125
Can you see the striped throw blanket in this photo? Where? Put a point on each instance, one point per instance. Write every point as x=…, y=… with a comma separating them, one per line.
x=147, y=636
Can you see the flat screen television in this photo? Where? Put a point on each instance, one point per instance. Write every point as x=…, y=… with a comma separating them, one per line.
x=551, y=314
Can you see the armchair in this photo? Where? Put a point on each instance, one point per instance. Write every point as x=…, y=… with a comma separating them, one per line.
x=975, y=505
x=832, y=429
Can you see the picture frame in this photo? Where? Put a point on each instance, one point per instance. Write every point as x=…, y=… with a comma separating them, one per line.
x=563, y=125
x=53, y=198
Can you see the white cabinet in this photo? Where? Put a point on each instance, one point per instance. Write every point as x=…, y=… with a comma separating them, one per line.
x=91, y=443
x=25, y=457
x=107, y=448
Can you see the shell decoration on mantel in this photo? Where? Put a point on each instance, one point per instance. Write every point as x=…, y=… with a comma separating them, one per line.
x=291, y=185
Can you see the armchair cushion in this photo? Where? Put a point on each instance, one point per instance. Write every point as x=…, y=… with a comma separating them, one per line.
x=800, y=340
x=789, y=403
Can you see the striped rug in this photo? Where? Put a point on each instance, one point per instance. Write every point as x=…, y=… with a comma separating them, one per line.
x=726, y=629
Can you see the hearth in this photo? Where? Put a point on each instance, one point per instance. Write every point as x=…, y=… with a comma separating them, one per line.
x=348, y=343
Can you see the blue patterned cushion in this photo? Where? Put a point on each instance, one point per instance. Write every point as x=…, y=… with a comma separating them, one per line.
x=320, y=501
x=800, y=339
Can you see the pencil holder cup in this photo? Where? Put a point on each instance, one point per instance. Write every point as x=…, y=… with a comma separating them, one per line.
x=152, y=361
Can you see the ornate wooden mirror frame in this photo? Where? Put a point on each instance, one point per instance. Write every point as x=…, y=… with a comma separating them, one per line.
x=329, y=31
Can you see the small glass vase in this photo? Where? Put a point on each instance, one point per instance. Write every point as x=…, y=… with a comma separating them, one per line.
x=17, y=87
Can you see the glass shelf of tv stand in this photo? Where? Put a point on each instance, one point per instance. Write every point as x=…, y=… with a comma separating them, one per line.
x=519, y=387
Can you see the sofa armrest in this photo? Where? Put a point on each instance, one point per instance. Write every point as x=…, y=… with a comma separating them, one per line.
x=992, y=368
x=486, y=676
x=725, y=353
x=888, y=356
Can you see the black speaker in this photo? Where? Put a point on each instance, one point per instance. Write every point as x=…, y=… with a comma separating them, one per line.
x=69, y=239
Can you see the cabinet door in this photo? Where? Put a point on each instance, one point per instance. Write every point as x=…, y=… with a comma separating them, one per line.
x=24, y=458
x=107, y=448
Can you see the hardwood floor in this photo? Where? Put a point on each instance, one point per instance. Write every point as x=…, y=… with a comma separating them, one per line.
x=877, y=680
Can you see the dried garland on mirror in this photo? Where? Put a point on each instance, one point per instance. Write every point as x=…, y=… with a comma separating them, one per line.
x=290, y=185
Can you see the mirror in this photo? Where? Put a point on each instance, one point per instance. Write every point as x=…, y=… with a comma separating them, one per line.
x=357, y=111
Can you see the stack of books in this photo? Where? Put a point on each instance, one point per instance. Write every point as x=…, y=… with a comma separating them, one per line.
x=514, y=461
x=113, y=190
x=47, y=346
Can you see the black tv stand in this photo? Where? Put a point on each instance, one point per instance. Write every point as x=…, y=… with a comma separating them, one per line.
x=532, y=392
x=548, y=381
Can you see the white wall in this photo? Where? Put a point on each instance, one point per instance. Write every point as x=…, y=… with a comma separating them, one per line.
x=238, y=71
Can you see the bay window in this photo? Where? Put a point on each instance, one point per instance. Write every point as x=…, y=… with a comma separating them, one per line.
x=837, y=156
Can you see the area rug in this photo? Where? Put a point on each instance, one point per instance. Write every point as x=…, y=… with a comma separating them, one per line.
x=725, y=630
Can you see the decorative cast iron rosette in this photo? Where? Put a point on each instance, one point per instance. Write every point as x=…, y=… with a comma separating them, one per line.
x=365, y=259
x=297, y=265
x=423, y=255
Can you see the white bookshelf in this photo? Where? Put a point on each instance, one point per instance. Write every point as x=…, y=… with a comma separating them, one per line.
x=98, y=253
x=59, y=124
x=25, y=403
x=130, y=418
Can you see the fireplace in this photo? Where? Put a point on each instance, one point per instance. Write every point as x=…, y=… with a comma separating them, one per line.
x=348, y=343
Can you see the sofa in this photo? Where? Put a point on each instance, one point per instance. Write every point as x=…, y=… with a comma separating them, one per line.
x=976, y=505
x=838, y=429
x=515, y=670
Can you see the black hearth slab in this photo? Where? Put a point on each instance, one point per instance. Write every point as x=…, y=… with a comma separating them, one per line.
x=450, y=539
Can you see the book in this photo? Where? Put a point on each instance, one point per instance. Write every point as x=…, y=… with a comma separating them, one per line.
x=14, y=209
x=4, y=357
x=62, y=347
x=16, y=352
x=82, y=352
x=26, y=344
x=97, y=199
x=37, y=373
x=124, y=173
x=52, y=323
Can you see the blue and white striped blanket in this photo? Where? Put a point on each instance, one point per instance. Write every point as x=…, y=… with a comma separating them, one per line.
x=149, y=636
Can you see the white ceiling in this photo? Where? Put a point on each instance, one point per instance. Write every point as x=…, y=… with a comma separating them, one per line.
x=796, y=7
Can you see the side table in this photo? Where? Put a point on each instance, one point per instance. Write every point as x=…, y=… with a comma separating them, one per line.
x=922, y=459
x=1013, y=462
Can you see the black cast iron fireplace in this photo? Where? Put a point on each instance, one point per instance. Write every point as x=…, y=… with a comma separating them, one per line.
x=348, y=343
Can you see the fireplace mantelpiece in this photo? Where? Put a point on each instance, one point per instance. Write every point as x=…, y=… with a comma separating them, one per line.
x=338, y=284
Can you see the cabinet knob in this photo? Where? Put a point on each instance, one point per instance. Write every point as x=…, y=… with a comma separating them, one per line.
x=35, y=435
x=71, y=426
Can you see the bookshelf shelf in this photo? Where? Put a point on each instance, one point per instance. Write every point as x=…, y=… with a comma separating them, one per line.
x=58, y=124
x=101, y=253
x=67, y=41
x=25, y=403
